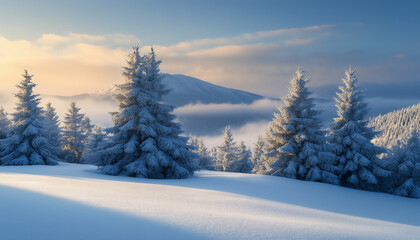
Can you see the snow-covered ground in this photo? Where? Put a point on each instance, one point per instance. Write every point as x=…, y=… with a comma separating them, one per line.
x=75, y=202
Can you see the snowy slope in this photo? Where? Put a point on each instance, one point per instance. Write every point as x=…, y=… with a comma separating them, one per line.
x=396, y=125
x=189, y=90
x=74, y=202
x=185, y=90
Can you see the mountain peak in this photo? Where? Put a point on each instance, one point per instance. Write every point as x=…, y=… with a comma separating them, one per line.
x=189, y=90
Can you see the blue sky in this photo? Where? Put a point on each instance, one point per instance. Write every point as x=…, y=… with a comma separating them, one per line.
x=167, y=22
x=380, y=38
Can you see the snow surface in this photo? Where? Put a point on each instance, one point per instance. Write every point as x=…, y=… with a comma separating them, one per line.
x=72, y=201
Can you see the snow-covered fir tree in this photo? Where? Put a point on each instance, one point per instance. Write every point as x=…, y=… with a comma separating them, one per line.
x=192, y=143
x=243, y=164
x=406, y=165
x=146, y=141
x=213, y=156
x=358, y=162
x=73, y=134
x=204, y=160
x=53, y=125
x=227, y=154
x=5, y=125
x=28, y=143
x=97, y=141
x=87, y=127
x=271, y=143
x=296, y=140
x=258, y=155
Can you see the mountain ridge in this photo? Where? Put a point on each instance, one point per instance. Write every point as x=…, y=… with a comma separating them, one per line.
x=184, y=90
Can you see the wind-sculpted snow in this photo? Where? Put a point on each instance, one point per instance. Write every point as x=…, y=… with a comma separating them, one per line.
x=76, y=202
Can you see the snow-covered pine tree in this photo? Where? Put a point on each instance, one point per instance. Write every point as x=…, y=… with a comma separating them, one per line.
x=28, y=143
x=258, y=155
x=97, y=141
x=350, y=135
x=296, y=139
x=53, y=125
x=243, y=164
x=146, y=141
x=213, y=156
x=5, y=125
x=73, y=135
x=406, y=165
x=87, y=127
x=271, y=143
x=192, y=144
x=193, y=141
x=204, y=161
x=227, y=154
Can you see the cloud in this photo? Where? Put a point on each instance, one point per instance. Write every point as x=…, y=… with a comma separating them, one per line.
x=64, y=64
x=257, y=106
x=248, y=37
x=54, y=39
x=211, y=119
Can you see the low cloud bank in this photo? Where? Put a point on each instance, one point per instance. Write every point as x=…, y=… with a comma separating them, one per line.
x=210, y=119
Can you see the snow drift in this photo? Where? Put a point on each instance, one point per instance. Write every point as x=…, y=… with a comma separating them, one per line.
x=71, y=201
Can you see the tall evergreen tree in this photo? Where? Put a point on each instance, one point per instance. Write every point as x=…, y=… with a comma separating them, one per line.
x=87, y=127
x=243, y=163
x=5, y=125
x=53, y=125
x=146, y=141
x=227, y=154
x=272, y=141
x=28, y=143
x=358, y=161
x=193, y=146
x=213, y=156
x=258, y=155
x=204, y=161
x=97, y=141
x=73, y=135
x=296, y=139
x=406, y=164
